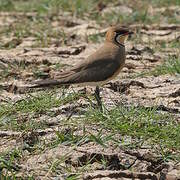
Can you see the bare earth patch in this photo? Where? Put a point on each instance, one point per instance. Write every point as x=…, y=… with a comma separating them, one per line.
x=59, y=133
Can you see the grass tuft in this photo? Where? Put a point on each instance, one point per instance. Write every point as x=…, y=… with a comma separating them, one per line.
x=39, y=103
x=171, y=66
x=143, y=124
x=19, y=115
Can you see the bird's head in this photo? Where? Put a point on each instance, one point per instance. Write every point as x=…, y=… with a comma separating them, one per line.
x=117, y=35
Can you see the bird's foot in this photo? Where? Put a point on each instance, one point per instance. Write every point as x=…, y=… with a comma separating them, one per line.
x=98, y=98
x=83, y=91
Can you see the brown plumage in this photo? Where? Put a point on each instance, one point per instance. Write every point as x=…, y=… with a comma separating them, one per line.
x=98, y=68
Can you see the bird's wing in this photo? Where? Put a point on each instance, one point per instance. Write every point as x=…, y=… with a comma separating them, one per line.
x=103, y=70
x=97, y=67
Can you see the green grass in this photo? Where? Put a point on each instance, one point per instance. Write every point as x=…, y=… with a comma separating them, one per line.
x=40, y=25
x=97, y=38
x=159, y=3
x=38, y=103
x=173, y=44
x=9, y=165
x=16, y=69
x=13, y=123
x=170, y=66
x=138, y=16
x=9, y=162
x=19, y=115
x=78, y=7
x=135, y=127
x=68, y=137
x=13, y=69
x=121, y=127
x=140, y=125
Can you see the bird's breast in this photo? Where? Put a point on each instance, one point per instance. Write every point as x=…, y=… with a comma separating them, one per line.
x=117, y=71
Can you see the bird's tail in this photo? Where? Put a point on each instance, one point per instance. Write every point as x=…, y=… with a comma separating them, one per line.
x=46, y=83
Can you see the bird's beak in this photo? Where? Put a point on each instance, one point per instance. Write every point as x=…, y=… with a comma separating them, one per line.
x=130, y=32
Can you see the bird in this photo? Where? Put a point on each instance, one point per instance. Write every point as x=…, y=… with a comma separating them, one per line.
x=97, y=69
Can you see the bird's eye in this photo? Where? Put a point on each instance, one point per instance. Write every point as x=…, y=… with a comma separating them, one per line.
x=121, y=32
x=118, y=32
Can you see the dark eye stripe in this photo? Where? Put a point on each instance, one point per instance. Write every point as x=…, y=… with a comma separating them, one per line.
x=122, y=32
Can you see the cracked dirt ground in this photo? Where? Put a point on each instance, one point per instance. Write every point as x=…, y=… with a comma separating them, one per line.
x=59, y=133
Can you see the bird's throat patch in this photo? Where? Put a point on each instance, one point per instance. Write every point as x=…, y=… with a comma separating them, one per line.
x=120, y=39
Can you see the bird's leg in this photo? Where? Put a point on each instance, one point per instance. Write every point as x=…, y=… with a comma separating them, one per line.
x=83, y=91
x=97, y=96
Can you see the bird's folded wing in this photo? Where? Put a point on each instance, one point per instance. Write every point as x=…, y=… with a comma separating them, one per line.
x=100, y=72
x=99, y=66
